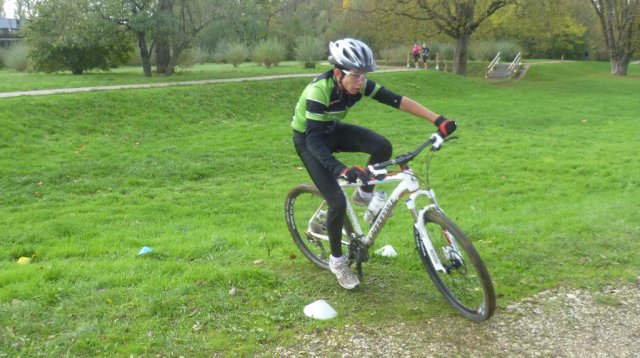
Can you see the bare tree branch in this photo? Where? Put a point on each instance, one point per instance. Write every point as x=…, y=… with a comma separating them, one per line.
x=455, y=18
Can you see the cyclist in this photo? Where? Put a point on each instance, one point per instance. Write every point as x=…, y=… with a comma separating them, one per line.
x=318, y=133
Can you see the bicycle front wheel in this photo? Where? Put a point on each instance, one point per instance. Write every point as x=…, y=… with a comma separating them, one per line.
x=306, y=213
x=461, y=276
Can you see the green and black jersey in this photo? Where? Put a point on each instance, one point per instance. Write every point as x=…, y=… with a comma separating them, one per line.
x=321, y=105
x=323, y=101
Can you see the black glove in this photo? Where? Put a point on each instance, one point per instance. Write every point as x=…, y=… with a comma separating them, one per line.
x=445, y=126
x=354, y=173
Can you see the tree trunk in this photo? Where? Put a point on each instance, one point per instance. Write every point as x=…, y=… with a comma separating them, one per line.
x=617, y=20
x=171, y=67
x=144, y=54
x=163, y=46
x=620, y=65
x=177, y=51
x=455, y=18
x=460, y=54
x=163, y=56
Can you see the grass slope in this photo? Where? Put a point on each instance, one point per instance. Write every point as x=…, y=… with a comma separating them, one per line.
x=544, y=179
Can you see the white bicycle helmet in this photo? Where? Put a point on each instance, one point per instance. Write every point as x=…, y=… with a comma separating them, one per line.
x=351, y=54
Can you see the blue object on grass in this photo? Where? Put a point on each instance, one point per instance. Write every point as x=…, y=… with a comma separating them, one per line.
x=144, y=250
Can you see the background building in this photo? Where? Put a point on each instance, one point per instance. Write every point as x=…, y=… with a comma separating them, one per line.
x=9, y=32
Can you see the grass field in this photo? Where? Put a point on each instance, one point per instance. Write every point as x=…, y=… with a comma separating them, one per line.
x=544, y=179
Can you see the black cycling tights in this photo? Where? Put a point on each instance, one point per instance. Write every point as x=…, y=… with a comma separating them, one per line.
x=345, y=138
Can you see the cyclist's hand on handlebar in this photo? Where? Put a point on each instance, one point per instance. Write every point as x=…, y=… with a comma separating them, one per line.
x=445, y=126
x=354, y=173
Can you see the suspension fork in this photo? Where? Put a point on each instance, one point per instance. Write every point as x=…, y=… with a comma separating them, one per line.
x=420, y=227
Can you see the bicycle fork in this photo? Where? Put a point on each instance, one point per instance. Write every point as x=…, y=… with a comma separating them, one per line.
x=420, y=228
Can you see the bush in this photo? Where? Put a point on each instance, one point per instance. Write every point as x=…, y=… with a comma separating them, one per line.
x=269, y=53
x=14, y=57
x=220, y=53
x=200, y=56
x=508, y=50
x=309, y=50
x=395, y=55
x=187, y=59
x=487, y=50
x=482, y=51
x=236, y=53
x=67, y=36
x=444, y=49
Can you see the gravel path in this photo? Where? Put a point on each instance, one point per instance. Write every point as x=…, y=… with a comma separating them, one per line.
x=557, y=323
x=167, y=84
x=145, y=85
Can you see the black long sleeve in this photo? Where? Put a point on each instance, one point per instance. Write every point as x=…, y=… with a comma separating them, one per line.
x=314, y=132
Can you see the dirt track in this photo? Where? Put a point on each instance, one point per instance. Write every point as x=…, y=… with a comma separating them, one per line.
x=556, y=323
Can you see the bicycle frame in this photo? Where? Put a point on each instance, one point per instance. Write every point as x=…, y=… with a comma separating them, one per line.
x=445, y=251
x=408, y=183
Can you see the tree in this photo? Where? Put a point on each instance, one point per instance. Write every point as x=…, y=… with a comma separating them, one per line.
x=181, y=22
x=376, y=23
x=544, y=28
x=25, y=8
x=170, y=26
x=65, y=35
x=458, y=19
x=137, y=16
x=244, y=23
x=620, y=30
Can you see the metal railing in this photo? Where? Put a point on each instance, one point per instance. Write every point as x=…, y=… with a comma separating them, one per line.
x=515, y=64
x=493, y=64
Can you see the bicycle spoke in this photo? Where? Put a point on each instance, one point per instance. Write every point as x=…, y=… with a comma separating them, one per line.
x=306, y=213
x=465, y=282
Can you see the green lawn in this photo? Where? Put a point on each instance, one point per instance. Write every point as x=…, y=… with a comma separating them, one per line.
x=544, y=179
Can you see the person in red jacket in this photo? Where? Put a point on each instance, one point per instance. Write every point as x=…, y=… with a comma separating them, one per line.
x=415, y=51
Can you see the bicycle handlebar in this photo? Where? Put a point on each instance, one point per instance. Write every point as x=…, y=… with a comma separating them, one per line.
x=435, y=140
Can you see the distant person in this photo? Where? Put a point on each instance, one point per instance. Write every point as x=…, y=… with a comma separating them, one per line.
x=415, y=51
x=318, y=133
x=425, y=55
x=586, y=55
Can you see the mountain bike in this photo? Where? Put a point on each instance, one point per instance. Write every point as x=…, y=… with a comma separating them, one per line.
x=447, y=254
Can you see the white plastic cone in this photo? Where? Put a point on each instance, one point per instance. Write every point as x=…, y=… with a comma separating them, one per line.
x=320, y=310
x=144, y=250
x=387, y=251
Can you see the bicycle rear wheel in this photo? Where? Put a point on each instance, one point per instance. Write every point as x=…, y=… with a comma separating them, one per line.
x=305, y=212
x=465, y=281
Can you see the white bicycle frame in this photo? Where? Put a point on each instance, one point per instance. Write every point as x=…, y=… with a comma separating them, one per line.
x=408, y=183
